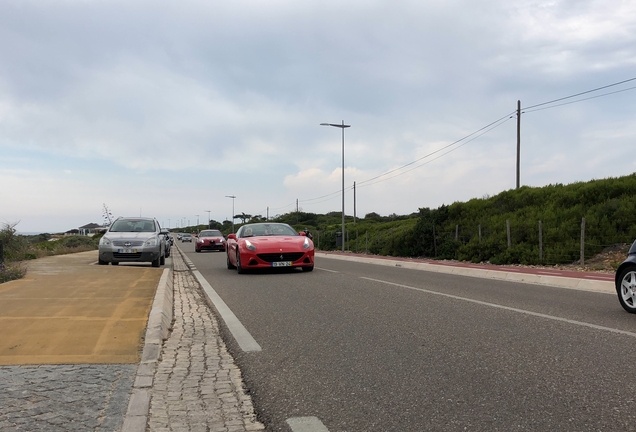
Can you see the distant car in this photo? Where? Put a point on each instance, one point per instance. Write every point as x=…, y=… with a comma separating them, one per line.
x=210, y=240
x=625, y=281
x=186, y=238
x=179, y=236
x=133, y=239
x=269, y=245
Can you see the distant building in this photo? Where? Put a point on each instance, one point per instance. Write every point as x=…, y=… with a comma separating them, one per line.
x=88, y=229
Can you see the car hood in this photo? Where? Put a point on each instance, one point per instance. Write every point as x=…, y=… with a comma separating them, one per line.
x=130, y=235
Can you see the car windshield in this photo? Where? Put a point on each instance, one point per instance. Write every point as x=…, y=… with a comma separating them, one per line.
x=265, y=229
x=210, y=233
x=133, y=225
x=187, y=235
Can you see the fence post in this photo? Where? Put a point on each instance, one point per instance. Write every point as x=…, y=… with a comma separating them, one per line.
x=366, y=248
x=540, y=241
x=434, y=243
x=508, y=232
x=479, y=233
x=583, y=241
x=456, y=232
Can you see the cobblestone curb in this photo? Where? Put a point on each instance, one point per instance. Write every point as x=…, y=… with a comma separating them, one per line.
x=197, y=386
x=159, y=322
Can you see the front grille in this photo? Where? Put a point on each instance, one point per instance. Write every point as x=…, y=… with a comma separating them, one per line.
x=282, y=256
x=127, y=255
x=132, y=243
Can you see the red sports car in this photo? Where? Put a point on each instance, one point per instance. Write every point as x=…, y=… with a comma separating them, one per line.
x=210, y=240
x=269, y=245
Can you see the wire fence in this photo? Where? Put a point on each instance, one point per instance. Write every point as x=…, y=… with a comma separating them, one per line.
x=530, y=242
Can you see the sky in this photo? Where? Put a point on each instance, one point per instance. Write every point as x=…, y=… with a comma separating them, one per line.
x=164, y=109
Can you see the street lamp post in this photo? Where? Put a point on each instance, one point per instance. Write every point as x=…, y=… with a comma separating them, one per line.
x=197, y=221
x=208, y=212
x=233, y=198
x=341, y=126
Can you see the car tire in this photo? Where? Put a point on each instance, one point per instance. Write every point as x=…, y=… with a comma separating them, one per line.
x=230, y=266
x=626, y=288
x=156, y=263
x=167, y=253
x=162, y=260
x=115, y=263
x=197, y=250
x=239, y=269
x=101, y=261
x=308, y=269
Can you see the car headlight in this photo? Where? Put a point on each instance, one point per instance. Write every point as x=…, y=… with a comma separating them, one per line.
x=199, y=240
x=151, y=242
x=249, y=245
x=306, y=244
x=104, y=241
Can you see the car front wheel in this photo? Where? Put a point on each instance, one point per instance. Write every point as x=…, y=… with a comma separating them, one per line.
x=230, y=266
x=626, y=288
x=239, y=269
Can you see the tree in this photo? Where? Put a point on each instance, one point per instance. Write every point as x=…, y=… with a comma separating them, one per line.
x=243, y=216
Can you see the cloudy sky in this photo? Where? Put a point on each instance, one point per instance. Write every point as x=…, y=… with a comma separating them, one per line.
x=163, y=108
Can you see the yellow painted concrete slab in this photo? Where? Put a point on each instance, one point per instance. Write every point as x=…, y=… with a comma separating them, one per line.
x=69, y=310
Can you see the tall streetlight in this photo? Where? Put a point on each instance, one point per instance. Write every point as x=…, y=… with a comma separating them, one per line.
x=208, y=212
x=341, y=126
x=197, y=220
x=233, y=198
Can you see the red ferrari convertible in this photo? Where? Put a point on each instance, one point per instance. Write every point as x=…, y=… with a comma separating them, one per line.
x=269, y=245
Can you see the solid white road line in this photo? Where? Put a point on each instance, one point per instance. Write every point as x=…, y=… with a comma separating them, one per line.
x=306, y=424
x=551, y=317
x=240, y=333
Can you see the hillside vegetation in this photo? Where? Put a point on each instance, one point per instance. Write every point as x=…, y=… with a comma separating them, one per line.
x=453, y=231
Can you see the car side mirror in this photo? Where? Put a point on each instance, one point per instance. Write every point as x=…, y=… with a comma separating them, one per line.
x=232, y=237
x=302, y=233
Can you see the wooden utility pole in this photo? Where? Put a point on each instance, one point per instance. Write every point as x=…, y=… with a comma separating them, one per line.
x=518, y=141
x=540, y=241
x=583, y=241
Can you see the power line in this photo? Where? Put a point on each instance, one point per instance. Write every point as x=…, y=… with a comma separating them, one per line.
x=580, y=100
x=443, y=154
x=582, y=93
x=485, y=130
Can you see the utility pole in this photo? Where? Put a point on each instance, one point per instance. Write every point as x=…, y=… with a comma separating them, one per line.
x=518, y=140
x=267, y=218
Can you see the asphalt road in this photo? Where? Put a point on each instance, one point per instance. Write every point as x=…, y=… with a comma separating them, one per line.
x=373, y=348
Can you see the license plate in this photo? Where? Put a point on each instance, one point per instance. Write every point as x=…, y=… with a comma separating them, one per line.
x=282, y=264
x=127, y=250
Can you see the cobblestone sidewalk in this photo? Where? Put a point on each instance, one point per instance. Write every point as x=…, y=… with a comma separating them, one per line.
x=64, y=397
x=197, y=386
